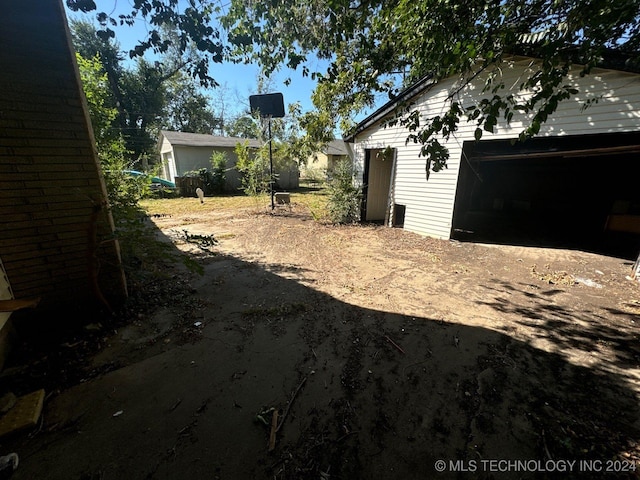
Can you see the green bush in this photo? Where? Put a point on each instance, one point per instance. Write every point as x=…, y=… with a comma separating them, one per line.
x=123, y=190
x=344, y=196
x=218, y=171
x=254, y=171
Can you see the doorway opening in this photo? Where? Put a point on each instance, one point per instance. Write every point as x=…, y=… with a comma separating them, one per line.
x=377, y=184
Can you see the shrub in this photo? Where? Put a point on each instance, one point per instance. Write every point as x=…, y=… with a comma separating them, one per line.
x=218, y=171
x=254, y=171
x=344, y=196
x=123, y=190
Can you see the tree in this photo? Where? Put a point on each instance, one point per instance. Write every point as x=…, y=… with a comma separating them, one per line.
x=136, y=94
x=142, y=107
x=188, y=108
x=254, y=170
x=123, y=190
x=95, y=85
x=368, y=42
x=147, y=95
x=243, y=126
x=181, y=27
x=87, y=43
x=183, y=35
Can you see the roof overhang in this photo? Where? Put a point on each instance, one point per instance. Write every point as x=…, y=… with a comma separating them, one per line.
x=614, y=60
x=389, y=107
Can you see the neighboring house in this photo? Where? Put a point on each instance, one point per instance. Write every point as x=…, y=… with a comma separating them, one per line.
x=325, y=161
x=52, y=194
x=578, y=178
x=187, y=152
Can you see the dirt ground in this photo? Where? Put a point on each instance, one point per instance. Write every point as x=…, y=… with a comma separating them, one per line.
x=382, y=352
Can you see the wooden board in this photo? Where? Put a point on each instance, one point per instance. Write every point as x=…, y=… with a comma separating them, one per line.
x=24, y=414
x=12, y=305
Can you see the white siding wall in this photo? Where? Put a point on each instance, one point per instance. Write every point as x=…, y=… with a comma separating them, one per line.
x=165, y=145
x=169, y=170
x=189, y=159
x=169, y=166
x=429, y=204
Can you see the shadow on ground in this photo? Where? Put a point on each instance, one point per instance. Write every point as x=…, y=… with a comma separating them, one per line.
x=186, y=388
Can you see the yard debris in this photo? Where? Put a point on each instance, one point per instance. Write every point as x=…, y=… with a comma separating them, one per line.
x=24, y=414
x=587, y=282
x=175, y=405
x=559, y=277
x=8, y=465
x=261, y=417
x=7, y=402
x=293, y=397
x=394, y=344
x=277, y=420
x=402, y=402
x=238, y=375
x=274, y=428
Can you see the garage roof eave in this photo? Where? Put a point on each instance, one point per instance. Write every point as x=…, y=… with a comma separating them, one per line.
x=384, y=111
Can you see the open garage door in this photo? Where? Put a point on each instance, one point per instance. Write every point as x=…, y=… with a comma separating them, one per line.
x=567, y=192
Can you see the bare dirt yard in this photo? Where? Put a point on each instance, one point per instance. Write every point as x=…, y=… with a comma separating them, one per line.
x=301, y=350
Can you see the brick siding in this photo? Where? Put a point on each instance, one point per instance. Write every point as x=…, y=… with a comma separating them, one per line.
x=49, y=176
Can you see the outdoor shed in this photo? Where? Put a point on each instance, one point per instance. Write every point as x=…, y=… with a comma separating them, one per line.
x=323, y=162
x=576, y=183
x=56, y=240
x=183, y=152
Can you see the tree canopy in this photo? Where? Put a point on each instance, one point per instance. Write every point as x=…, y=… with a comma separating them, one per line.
x=377, y=47
x=369, y=42
x=145, y=95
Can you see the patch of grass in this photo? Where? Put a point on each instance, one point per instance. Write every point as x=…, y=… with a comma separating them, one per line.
x=186, y=205
x=313, y=199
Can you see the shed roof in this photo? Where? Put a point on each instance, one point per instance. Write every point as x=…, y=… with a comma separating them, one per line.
x=204, y=140
x=336, y=147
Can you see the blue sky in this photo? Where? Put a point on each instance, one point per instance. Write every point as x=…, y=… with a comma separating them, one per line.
x=240, y=81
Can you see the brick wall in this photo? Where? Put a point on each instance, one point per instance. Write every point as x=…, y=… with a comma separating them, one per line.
x=50, y=183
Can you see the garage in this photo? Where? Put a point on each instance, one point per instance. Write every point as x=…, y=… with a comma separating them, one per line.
x=573, y=191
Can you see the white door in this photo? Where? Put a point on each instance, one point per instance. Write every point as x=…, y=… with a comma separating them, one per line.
x=378, y=182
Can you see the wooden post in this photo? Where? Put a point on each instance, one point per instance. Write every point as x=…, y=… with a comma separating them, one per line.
x=274, y=429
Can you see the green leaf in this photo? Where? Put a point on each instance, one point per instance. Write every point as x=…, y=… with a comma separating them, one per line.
x=490, y=123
